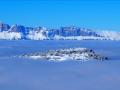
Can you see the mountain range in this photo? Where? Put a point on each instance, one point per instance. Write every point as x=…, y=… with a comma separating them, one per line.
x=20, y=32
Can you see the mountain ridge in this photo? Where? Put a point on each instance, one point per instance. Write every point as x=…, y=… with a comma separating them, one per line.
x=20, y=32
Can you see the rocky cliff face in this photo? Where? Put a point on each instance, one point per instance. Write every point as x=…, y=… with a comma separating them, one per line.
x=4, y=27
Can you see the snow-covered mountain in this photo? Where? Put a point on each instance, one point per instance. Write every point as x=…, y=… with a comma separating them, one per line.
x=20, y=32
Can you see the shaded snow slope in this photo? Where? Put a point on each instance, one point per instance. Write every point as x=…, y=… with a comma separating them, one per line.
x=112, y=35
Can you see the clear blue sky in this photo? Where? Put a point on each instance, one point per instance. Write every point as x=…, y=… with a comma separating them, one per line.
x=102, y=14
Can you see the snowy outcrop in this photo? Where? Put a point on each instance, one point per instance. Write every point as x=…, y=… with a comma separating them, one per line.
x=81, y=54
x=20, y=32
x=33, y=35
x=5, y=35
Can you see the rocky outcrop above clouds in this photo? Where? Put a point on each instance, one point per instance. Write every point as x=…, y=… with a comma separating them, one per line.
x=81, y=54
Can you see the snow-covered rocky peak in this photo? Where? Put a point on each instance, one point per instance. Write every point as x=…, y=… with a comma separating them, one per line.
x=81, y=54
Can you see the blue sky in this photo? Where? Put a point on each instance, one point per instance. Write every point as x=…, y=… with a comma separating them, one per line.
x=104, y=14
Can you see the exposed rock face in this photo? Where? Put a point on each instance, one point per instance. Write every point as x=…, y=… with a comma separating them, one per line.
x=18, y=28
x=4, y=27
x=67, y=54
